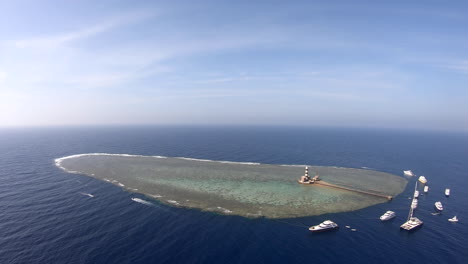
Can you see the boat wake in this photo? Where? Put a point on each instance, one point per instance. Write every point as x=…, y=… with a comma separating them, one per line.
x=87, y=194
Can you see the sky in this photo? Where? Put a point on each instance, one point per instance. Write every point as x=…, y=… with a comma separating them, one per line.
x=389, y=64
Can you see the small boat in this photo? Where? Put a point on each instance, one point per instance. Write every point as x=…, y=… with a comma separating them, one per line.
x=447, y=192
x=387, y=216
x=411, y=224
x=422, y=179
x=324, y=226
x=408, y=173
x=426, y=189
x=416, y=194
x=453, y=219
x=414, y=204
x=439, y=206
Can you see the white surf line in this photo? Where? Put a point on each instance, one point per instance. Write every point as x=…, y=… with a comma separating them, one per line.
x=173, y=202
x=58, y=161
x=138, y=200
x=220, y=161
x=87, y=194
x=224, y=210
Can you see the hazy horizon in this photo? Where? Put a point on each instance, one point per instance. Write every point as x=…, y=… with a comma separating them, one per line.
x=362, y=64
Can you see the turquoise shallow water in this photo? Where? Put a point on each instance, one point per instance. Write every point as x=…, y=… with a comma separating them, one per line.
x=239, y=188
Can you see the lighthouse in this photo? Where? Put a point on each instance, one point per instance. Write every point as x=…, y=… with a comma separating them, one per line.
x=306, y=179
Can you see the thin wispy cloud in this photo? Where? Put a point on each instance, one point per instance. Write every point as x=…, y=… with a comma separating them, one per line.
x=3, y=76
x=460, y=66
x=53, y=41
x=176, y=63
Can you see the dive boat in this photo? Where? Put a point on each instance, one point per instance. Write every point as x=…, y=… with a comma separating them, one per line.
x=447, y=192
x=439, y=206
x=387, y=216
x=411, y=224
x=324, y=226
x=414, y=203
x=426, y=189
x=408, y=173
x=453, y=219
x=422, y=179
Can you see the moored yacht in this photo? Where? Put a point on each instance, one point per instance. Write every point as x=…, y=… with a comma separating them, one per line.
x=408, y=173
x=324, y=226
x=411, y=224
x=422, y=179
x=416, y=194
x=447, y=192
x=387, y=216
x=438, y=206
x=426, y=189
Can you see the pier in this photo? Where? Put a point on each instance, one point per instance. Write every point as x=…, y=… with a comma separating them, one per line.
x=316, y=180
x=353, y=190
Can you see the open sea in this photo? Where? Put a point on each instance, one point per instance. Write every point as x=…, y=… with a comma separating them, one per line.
x=46, y=216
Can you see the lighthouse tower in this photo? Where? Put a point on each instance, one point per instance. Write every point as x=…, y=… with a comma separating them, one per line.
x=306, y=179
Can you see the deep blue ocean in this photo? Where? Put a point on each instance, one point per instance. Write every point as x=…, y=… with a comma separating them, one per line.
x=45, y=219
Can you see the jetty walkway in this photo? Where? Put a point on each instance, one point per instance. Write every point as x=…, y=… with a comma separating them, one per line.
x=353, y=190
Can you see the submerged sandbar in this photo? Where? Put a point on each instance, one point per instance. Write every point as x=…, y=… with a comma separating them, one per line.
x=245, y=189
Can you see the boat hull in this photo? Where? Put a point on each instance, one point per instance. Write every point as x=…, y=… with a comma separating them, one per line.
x=323, y=229
x=411, y=228
x=412, y=224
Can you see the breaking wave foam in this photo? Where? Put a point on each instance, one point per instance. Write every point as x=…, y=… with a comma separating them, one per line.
x=138, y=200
x=58, y=161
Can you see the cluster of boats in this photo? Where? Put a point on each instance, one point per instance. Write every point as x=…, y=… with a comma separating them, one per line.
x=411, y=223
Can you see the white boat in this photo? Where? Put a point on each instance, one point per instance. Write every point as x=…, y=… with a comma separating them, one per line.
x=387, y=216
x=408, y=173
x=422, y=179
x=416, y=194
x=411, y=224
x=324, y=226
x=439, y=206
x=453, y=219
x=447, y=192
x=426, y=189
